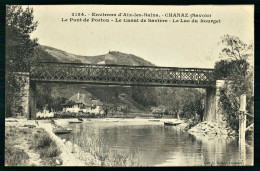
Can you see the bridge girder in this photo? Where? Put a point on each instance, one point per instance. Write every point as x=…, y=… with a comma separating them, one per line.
x=122, y=75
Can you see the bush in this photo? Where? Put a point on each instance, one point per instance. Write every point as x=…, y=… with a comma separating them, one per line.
x=14, y=156
x=51, y=151
x=45, y=145
x=42, y=140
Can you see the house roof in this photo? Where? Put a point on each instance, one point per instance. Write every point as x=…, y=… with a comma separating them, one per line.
x=83, y=99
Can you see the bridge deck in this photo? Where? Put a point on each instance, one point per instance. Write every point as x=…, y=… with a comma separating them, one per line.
x=122, y=75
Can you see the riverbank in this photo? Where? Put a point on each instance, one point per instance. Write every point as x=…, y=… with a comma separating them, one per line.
x=91, y=152
x=69, y=154
x=28, y=145
x=22, y=129
x=94, y=151
x=210, y=130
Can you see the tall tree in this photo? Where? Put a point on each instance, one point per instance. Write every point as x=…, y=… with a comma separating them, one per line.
x=19, y=50
x=235, y=65
x=234, y=48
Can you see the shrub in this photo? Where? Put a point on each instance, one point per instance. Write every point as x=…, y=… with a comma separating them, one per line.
x=14, y=156
x=43, y=140
x=45, y=145
x=51, y=151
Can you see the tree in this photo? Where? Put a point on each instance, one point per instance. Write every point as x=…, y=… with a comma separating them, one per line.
x=19, y=50
x=144, y=95
x=184, y=102
x=235, y=66
x=192, y=103
x=234, y=48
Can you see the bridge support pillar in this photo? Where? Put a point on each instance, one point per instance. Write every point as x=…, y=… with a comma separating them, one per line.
x=219, y=112
x=210, y=112
x=213, y=111
x=18, y=106
x=32, y=100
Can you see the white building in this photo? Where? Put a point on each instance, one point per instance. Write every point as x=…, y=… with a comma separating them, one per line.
x=81, y=103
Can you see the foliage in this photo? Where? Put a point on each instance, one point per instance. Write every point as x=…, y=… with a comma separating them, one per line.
x=19, y=46
x=19, y=51
x=52, y=151
x=14, y=156
x=192, y=103
x=57, y=103
x=231, y=69
x=42, y=140
x=181, y=102
x=44, y=99
x=144, y=95
x=235, y=67
x=234, y=48
x=43, y=143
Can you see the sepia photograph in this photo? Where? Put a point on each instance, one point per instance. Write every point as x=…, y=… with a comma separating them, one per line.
x=129, y=85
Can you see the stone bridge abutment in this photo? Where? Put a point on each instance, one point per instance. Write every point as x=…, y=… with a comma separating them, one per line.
x=213, y=111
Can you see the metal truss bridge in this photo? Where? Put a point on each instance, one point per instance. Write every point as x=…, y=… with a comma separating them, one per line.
x=122, y=75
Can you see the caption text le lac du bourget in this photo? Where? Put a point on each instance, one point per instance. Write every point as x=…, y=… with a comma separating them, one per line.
x=177, y=18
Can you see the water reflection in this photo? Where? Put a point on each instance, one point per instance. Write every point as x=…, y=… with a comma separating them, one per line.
x=160, y=145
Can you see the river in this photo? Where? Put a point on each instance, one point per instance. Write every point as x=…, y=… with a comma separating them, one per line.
x=160, y=145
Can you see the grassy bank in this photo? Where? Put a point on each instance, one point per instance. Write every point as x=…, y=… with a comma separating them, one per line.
x=29, y=146
x=45, y=146
x=108, y=157
x=15, y=156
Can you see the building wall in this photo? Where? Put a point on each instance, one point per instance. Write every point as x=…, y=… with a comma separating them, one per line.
x=45, y=114
x=73, y=109
x=76, y=109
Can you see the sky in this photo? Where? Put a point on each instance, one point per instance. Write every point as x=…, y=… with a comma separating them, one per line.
x=163, y=44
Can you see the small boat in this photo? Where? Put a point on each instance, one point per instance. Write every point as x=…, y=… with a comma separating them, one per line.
x=154, y=120
x=62, y=130
x=171, y=123
x=75, y=121
x=80, y=119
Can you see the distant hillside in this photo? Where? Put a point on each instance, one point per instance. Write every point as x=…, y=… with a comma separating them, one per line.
x=49, y=54
x=110, y=95
x=139, y=99
x=118, y=58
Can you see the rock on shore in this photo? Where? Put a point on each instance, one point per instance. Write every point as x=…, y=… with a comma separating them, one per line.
x=211, y=128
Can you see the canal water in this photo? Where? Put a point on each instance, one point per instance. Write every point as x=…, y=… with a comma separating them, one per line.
x=159, y=145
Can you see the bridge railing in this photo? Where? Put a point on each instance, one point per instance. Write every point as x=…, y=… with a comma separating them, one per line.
x=120, y=73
